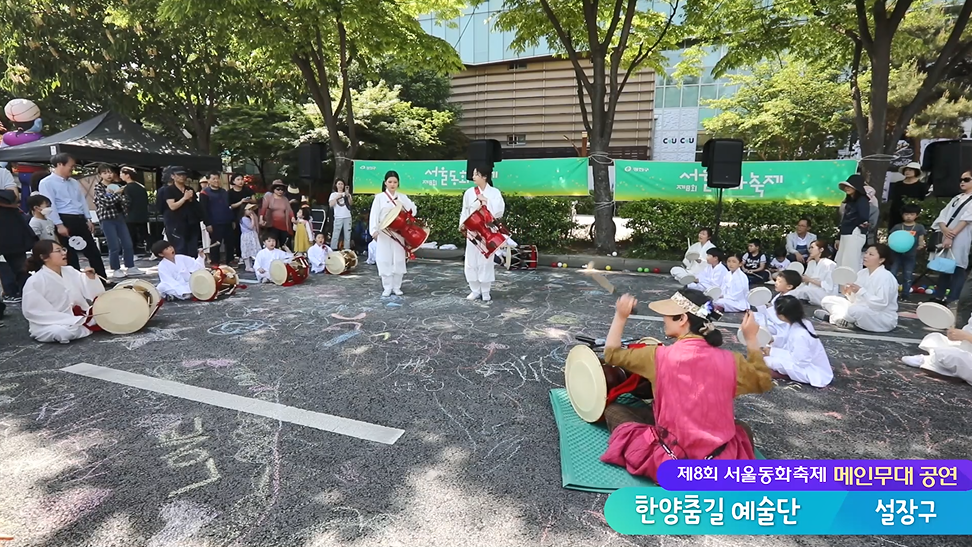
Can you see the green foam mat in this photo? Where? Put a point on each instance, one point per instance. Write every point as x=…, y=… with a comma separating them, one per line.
x=581, y=447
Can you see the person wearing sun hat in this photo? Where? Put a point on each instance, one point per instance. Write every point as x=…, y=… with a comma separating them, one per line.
x=854, y=223
x=911, y=187
x=694, y=382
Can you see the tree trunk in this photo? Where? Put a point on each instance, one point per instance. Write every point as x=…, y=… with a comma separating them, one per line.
x=342, y=168
x=604, y=228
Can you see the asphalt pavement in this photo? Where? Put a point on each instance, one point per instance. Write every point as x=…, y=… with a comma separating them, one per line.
x=461, y=386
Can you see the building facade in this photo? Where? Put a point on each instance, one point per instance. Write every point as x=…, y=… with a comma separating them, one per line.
x=528, y=101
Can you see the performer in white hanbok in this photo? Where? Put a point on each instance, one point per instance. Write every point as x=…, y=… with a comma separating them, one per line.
x=317, y=254
x=736, y=289
x=870, y=303
x=480, y=273
x=715, y=273
x=801, y=357
x=175, y=271
x=785, y=283
x=817, y=282
x=694, y=267
x=390, y=253
x=57, y=297
x=268, y=254
x=949, y=354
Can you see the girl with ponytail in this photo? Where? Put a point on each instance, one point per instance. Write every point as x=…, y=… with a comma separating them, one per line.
x=802, y=357
x=694, y=382
x=57, y=297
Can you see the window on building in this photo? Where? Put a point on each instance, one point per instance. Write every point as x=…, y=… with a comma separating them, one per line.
x=516, y=139
x=517, y=65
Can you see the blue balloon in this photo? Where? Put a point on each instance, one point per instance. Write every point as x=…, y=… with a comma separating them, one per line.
x=901, y=241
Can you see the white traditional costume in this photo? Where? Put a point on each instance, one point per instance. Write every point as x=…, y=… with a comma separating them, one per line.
x=263, y=260
x=873, y=308
x=174, y=275
x=49, y=300
x=692, y=267
x=735, y=292
x=766, y=317
x=711, y=276
x=818, y=270
x=390, y=253
x=802, y=357
x=317, y=255
x=480, y=273
x=945, y=357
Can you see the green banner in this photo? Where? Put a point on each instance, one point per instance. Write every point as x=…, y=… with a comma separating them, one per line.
x=532, y=177
x=790, y=181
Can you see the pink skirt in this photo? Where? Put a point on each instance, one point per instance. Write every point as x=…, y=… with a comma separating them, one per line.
x=635, y=446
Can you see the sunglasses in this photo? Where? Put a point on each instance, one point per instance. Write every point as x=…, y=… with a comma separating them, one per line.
x=966, y=179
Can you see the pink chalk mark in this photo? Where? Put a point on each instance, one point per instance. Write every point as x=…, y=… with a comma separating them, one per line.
x=835, y=415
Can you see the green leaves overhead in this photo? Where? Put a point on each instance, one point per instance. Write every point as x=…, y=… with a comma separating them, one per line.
x=786, y=110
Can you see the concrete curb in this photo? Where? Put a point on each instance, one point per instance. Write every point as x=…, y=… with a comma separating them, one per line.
x=616, y=263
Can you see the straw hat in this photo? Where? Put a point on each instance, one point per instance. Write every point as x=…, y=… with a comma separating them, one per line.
x=913, y=165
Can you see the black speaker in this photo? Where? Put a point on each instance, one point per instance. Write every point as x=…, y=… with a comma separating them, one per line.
x=310, y=159
x=483, y=152
x=722, y=159
x=945, y=161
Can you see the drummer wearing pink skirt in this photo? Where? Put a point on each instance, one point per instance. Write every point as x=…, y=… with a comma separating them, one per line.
x=695, y=383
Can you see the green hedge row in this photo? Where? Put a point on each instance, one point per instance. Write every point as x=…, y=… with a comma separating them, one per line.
x=659, y=227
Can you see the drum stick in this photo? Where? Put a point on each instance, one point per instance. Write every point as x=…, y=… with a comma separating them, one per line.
x=603, y=282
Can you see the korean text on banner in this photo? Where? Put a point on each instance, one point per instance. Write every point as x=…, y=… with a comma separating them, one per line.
x=531, y=177
x=789, y=181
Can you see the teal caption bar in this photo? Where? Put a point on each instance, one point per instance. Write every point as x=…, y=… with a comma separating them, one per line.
x=652, y=511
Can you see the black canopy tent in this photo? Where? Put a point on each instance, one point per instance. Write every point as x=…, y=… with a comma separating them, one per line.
x=110, y=138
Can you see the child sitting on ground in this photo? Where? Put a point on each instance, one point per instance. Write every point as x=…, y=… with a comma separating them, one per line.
x=787, y=281
x=175, y=271
x=779, y=263
x=801, y=357
x=754, y=263
x=317, y=254
x=736, y=289
x=714, y=274
x=268, y=254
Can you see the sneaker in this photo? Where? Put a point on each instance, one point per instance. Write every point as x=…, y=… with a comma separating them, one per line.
x=473, y=296
x=118, y=274
x=386, y=292
x=11, y=299
x=398, y=292
x=486, y=297
x=913, y=360
x=822, y=315
x=842, y=323
x=133, y=271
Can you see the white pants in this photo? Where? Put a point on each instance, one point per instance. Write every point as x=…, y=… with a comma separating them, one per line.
x=372, y=252
x=391, y=282
x=59, y=333
x=810, y=293
x=859, y=314
x=947, y=357
x=480, y=271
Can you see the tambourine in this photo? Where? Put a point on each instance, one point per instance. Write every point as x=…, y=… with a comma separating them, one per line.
x=936, y=315
x=843, y=276
x=714, y=293
x=760, y=296
x=763, y=336
x=796, y=267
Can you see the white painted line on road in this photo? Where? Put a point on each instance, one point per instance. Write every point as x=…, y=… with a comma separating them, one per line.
x=851, y=335
x=284, y=413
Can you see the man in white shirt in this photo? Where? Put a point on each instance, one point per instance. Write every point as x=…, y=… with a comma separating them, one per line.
x=70, y=212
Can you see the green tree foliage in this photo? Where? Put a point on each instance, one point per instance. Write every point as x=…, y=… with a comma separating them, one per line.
x=260, y=135
x=322, y=42
x=605, y=42
x=390, y=128
x=422, y=88
x=872, y=38
x=92, y=55
x=796, y=111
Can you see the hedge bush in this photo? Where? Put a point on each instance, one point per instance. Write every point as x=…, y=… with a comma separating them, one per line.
x=660, y=225
x=542, y=221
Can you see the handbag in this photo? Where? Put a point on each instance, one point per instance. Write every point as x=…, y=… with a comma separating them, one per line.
x=941, y=263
